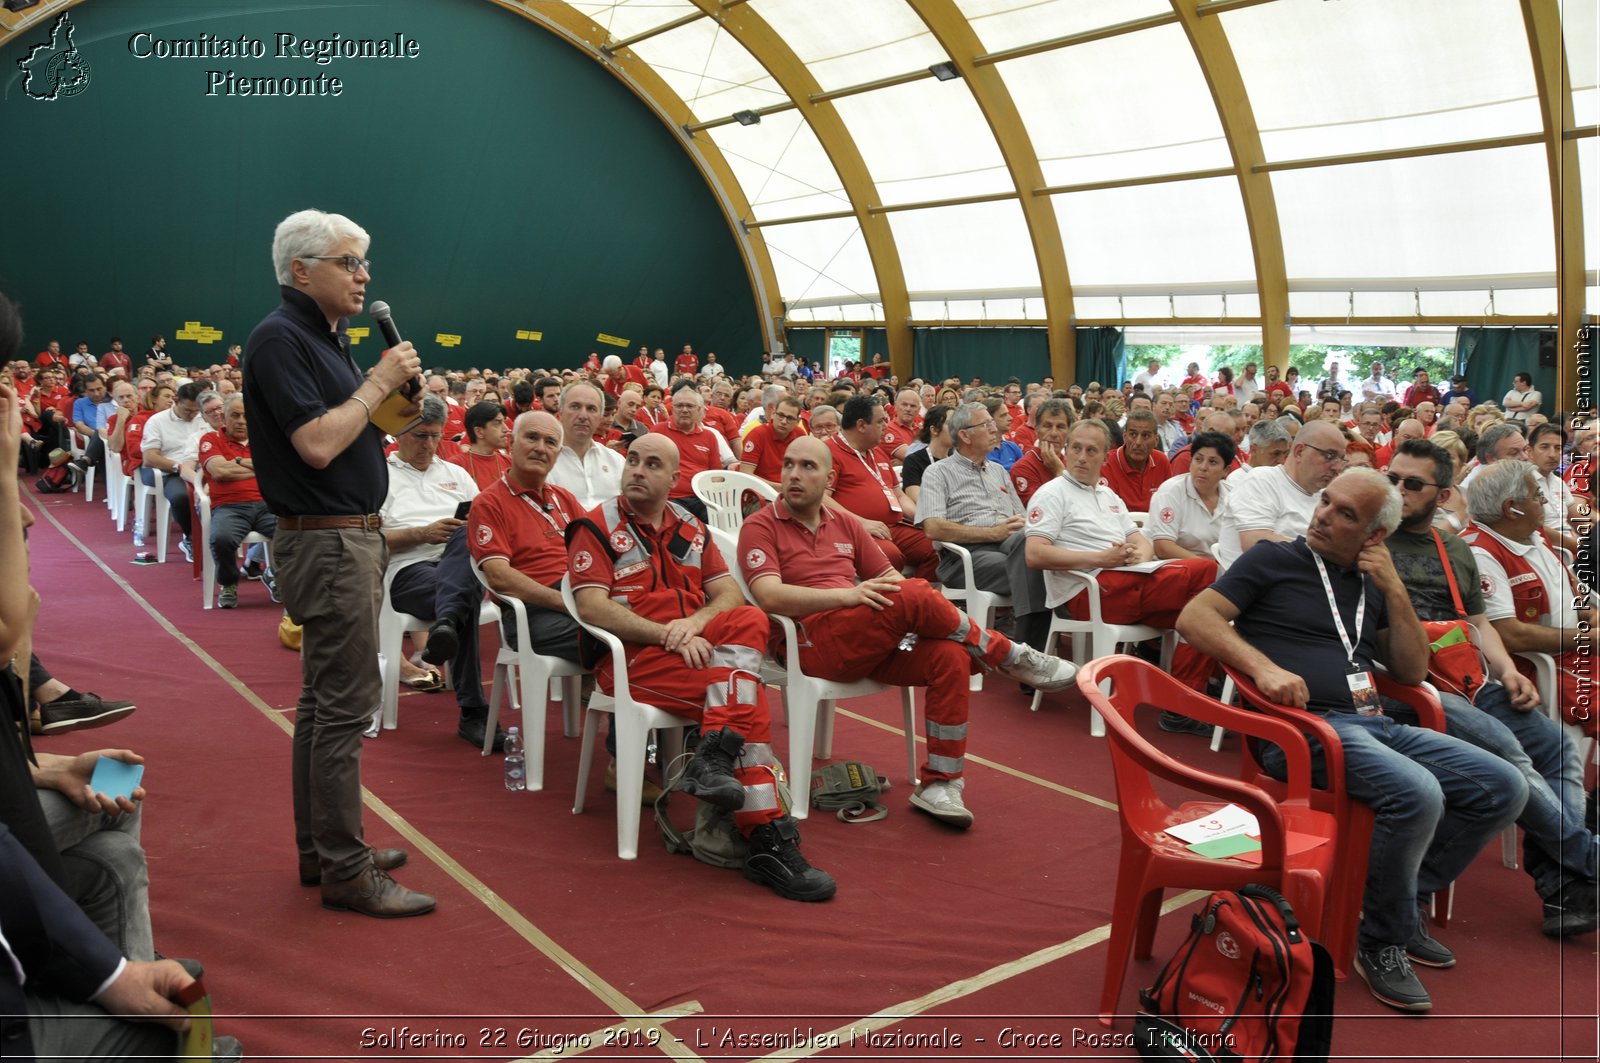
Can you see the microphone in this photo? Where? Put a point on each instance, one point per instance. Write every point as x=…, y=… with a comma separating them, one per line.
x=1517, y=511
x=381, y=313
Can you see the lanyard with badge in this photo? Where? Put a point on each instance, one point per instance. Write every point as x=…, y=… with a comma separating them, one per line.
x=1363, y=689
x=544, y=508
x=872, y=470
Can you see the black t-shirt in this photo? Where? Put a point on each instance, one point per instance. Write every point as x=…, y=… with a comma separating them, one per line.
x=1284, y=613
x=295, y=370
x=1416, y=559
x=915, y=465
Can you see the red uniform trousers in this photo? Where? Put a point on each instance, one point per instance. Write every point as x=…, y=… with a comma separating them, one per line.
x=708, y=695
x=846, y=645
x=1156, y=598
x=909, y=545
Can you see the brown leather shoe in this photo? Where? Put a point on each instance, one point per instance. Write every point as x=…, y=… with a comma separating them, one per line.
x=374, y=893
x=387, y=859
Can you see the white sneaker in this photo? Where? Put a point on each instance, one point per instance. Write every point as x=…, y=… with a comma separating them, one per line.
x=941, y=799
x=186, y=549
x=1040, y=670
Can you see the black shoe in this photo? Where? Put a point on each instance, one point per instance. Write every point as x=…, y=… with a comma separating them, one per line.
x=1179, y=724
x=775, y=861
x=80, y=713
x=442, y=643
x=471, y=730
x=252, y=570
x=1388, y=974
x=1571, y=911
x=1427, y=952
x=709, y=775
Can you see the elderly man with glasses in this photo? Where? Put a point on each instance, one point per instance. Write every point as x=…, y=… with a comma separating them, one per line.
x=970, y=500
x=321, y=470
x=1275, y=505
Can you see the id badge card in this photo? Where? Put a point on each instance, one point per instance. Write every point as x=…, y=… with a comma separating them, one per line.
x=894, y=502
x=1363, y=692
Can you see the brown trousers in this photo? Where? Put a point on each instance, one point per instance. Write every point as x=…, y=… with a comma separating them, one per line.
x=332, y=583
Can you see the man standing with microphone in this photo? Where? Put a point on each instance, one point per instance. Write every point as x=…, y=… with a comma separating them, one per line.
x=321, y=469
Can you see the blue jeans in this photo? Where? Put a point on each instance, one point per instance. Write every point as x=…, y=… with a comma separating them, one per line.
x=1436, y=802
x=1558, y=846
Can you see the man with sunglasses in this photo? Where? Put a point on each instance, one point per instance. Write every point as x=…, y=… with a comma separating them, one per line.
x=1503, y=717
x=1275, y=505
x=319, y=462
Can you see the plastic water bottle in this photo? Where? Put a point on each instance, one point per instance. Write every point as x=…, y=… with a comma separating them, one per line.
x=516, y=766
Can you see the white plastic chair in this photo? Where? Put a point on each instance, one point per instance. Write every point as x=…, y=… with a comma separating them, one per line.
x=202, y=543
x=392, y=627
x=80, y=452
x=1095, y=637
x=526, y=678
x=152, y=499
x=119, y=490
x=721, y=491
x=979, y=605
x=634, y=722
x=809, y=702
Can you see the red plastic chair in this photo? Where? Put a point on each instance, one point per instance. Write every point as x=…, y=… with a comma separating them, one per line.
x=1355, y=817
x=1152, y=860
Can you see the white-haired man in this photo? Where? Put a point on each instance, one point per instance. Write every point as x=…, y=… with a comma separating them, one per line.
x=321, y=471
x=1308, y=620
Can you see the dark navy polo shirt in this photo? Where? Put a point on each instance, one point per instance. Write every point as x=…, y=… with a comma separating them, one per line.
x=295, y=370
x=1284, y=613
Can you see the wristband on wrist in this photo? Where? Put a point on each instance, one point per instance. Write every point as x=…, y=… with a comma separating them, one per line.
x=364, y=403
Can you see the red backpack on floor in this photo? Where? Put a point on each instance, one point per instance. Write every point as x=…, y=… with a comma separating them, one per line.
x=1247, y=986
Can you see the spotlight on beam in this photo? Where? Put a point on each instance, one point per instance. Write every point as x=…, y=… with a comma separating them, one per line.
x=746, y=117
x=945, y=71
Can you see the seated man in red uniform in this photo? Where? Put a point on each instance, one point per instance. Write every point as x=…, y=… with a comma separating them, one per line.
x=1135, y=469
x=237, y=508
x=764, y=445
x=646, y=570
x=900, y=431
x=804, y=560
x=700, y=449
x=1077, y=523
x=1043, y=461
x=866, y=486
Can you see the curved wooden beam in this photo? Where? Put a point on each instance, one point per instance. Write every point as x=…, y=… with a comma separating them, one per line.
x=955, y=33
x=1543, y=21
x=746, y=26
x=1221, y=70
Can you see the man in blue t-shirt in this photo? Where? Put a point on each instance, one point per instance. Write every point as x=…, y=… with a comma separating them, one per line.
x=1310, y=620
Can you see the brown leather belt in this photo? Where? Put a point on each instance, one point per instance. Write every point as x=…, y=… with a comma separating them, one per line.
x=367, y=522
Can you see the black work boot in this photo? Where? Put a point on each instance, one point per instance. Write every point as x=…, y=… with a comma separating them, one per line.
x=709, y=775
x=775, y=860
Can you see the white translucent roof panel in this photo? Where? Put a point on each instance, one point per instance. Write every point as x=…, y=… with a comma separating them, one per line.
x=1333, y=78
x=847, y=42
x=1580, y=24
x=1003, y=24
x=928, y=310
x=821, y=260
x=925, y=140
x=824, y=315
x=1186, y=231
x=1132, y=105
x=781, y=166
x=713, y=73
x=1481, y=213
x=624, y=18
x=951, y=249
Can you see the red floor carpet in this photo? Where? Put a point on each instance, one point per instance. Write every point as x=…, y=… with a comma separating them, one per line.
x=938, y=945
